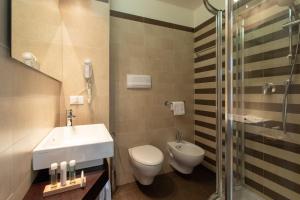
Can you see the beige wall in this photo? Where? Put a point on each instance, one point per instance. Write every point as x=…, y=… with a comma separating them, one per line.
x=155, y=9
x=30, y=101
x=29, y=107
x=85, y=35
x=36, y=28
x=139, y=116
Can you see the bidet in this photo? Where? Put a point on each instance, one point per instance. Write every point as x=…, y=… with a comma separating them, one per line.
x=184, y=156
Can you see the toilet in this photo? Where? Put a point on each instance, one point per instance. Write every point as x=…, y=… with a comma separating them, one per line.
x=146, y=162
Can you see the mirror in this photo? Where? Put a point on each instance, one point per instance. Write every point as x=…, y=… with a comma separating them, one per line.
x=36, y=34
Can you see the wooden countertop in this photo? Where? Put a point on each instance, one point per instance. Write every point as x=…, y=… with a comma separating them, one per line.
x=96, y=178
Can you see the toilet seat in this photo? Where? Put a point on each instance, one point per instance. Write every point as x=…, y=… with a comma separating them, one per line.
x=147, y=155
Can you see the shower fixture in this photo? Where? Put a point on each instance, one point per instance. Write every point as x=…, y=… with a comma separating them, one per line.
x=269, y=88
x=292, y=56
x=211, y=8
x=285, y=2
x=292, y=12
x=289, y=3
x=215, y=12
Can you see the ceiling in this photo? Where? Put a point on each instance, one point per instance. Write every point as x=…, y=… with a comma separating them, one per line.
x=190, y=4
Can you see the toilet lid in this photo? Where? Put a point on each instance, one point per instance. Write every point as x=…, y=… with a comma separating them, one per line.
x=147, y=155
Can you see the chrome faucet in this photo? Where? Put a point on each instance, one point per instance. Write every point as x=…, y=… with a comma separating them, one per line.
x=179, y=136
x=70, y=117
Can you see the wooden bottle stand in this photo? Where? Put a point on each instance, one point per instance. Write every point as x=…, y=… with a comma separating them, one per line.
x=58, y=188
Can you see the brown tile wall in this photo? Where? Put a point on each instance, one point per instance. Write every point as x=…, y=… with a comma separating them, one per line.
x=139, y=116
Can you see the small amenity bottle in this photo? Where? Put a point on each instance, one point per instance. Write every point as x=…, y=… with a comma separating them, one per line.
x=53, y=174
x=63, y=173
x=72, y=172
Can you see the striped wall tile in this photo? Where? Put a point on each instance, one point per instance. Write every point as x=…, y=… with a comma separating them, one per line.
x=272, y=159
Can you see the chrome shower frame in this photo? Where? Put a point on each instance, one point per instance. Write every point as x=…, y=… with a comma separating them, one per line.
x=293, y=20
x=219, y=14
x=229, y=100
x=229, y=67
x=240, y=102
x=219, y=75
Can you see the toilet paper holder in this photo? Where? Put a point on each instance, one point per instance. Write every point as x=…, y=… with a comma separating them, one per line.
x=169, y=103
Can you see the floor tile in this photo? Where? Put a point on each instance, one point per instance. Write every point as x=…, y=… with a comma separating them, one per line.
x=171, y=186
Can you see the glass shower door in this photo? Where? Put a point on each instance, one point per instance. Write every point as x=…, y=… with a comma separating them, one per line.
x=262, y=100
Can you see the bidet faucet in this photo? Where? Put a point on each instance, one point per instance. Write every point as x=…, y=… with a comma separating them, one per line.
x=179, y=136
x=70, y=117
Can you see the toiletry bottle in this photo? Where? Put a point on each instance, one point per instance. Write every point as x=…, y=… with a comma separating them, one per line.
x=72, y=172
x=53, y=174
x=82, y=179
x=63, y=173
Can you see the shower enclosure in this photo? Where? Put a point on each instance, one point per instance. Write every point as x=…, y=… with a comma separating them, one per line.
x=258, y=140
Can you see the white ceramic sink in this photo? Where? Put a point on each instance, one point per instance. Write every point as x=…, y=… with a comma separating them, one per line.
x=86, y=143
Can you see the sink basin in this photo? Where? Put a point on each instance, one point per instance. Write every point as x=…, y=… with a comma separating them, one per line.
x=86, y=143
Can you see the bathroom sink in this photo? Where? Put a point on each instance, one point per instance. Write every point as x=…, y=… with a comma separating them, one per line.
x=85, y=144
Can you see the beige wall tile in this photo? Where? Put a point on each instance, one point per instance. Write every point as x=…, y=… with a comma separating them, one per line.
x=29, y=105
x=6, y=124
x=140, y=116
x=30, y=101
x=6, y=173
x=36, y=28
x=85, y=36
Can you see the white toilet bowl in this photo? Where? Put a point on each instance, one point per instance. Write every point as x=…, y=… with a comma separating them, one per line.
x=184, y=156
x=146, y=162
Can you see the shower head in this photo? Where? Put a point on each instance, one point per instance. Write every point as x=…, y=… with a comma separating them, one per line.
x=210, y=7
x=290, y=4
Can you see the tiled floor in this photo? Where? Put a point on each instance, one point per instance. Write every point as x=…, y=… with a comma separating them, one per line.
x=173, y=186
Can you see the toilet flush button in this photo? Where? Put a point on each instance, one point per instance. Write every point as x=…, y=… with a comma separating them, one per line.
x=76, y=100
